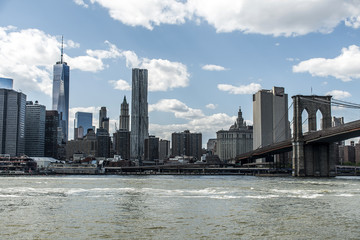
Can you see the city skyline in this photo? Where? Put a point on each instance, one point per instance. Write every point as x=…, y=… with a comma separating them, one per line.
x=201, y=66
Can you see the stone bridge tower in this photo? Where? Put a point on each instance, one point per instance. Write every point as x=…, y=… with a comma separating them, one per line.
x=312, y=159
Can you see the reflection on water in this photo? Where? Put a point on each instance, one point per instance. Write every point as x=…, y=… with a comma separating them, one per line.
x=178, y=207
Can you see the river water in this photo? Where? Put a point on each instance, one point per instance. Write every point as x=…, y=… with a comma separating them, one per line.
x=179, y=207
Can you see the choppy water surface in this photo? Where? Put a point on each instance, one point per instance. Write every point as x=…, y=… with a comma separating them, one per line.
x=178, y=207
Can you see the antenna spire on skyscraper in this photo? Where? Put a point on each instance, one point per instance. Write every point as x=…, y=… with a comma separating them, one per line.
x=62, y=48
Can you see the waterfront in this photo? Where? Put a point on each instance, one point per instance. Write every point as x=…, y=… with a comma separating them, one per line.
x=179, y=207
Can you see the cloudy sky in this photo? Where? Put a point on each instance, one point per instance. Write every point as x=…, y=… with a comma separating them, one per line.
x=205, y=57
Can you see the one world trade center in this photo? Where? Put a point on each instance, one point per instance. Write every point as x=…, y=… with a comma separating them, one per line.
x=60, y=101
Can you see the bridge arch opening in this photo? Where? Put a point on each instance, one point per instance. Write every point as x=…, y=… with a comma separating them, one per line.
x=304, y=121
x=319, y=120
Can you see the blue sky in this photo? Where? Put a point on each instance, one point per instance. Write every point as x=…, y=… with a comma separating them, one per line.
x=205, y=58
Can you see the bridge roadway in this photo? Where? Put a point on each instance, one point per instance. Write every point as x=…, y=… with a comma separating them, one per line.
x=333, y=134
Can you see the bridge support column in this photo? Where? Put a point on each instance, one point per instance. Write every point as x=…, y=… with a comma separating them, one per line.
x=298, y=159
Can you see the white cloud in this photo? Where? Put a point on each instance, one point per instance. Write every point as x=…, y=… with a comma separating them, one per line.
x=28, y=57
x=120, y=85
x=276, y=17
x=242, y=89
x=211, y=106
x=72, y=44
x=147, y=14
x=177, y=107
x=338, y=94
x=165, y=75
x=81, y=3
x=346, y=66
x=211, y=67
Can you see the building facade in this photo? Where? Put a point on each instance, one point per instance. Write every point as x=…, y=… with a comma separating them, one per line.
x=82, y=122
x=87, y=146
x=12, y=122
x=139, y=113
x=124, y=119
x=235, y=141
x=121, y=140
x=164, y=149
x=270, y=116
x=103, y=119
x=60, y=101
x=152, y=149
x=35, y=115
x=187, y=144
x=103, y=143
x=51, y=133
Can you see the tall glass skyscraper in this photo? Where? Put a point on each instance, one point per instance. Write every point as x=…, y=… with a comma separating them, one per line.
x=12, y=122
x=6, y=83
x=139, y=114
x=83, y=120
x=61, y=95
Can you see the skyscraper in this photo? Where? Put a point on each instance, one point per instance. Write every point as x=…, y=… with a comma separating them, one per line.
x=61, y=95
x=124, y=116
x=103, y=120
x=270, y=115
x=83, y=121
x=139, y=113
x=187, y=144
x=51, y=133
x=6, y=83
x=35, y=129
x=12, y=122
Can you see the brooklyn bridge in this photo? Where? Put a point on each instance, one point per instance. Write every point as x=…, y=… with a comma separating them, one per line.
x=313, y=152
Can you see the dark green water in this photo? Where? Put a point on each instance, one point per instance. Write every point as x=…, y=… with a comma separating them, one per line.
x=179, y=207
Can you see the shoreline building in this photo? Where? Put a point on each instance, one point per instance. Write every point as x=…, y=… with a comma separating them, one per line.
x=51, y=133
x=139, y=114
x=270, y=116
x=12, y=122
x=60, y=101
x=35, y=129
x=235, y=141
x=186, y=144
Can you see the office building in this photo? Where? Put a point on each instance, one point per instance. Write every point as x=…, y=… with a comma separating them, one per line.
x=12, y=122
x=164, y=149
x=60, y=101
x=270, y=116
x=235, y=141
x=103, y=119
x=87, y=146
x=271, y=124
x=82, y=122
x=187, y=144
x=6, y=83
x=152, y=149
x=103, y=143
x=35, y=129
x=51, y=133
x=139, y=113
x=121, y=140
x=124, y=119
